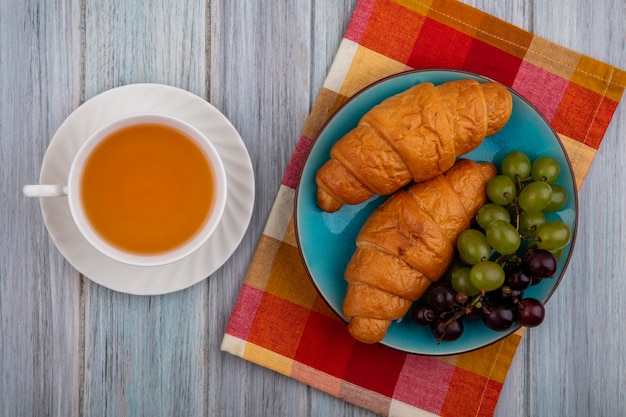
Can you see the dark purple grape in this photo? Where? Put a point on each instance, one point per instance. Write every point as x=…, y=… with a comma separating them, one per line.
x=498, y=317
x=422, y=314
x=442, y=329
x=541, y=263
x=518, y=278
x=530, y=312
x=442, y=297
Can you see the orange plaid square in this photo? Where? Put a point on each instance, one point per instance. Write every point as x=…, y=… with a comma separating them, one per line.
x=577, y=114
x=394, y=31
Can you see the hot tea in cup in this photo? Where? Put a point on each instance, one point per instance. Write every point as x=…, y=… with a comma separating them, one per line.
x=145, y=190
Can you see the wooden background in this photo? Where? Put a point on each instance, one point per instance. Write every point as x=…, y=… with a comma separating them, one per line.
x=69, y=347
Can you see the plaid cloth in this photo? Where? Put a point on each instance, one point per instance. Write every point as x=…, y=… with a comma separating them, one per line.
x=280, y=321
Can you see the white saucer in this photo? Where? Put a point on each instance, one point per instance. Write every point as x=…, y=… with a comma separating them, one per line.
x=155, y=98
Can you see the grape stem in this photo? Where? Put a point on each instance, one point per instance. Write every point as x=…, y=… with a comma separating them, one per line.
x=529, y=236
x=521, y=180
x=519, y=183
x=503, y=260
x=460, y=313
x=477, y=299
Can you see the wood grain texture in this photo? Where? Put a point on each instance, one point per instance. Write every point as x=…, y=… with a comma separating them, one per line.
x=264, y=90
x=69, y=347
x=39, y=291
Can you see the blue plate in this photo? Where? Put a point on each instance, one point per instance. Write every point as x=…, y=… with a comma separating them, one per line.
x=327, y=240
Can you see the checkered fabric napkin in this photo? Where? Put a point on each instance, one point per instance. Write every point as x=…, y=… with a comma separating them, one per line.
x=279, y=320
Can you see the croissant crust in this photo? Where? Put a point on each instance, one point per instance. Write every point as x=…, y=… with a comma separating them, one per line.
x=412, y=136
x=408, y=243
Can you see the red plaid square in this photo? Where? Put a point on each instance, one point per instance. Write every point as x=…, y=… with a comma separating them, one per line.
x=328, y=346
x=488, y=60
x=375, y=367
x=439, y=46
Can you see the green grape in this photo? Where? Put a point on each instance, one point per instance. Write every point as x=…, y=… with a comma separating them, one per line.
x=503, y=237
x=535, y=196
x=516, y=164
x=487, y=276
x=472, y=246
x=501, y=190
x=553, y=235
x=455, y=266
x=530, y=222
x=545, y=168
x=461, y=282
x=490, y=212
x=558, y=198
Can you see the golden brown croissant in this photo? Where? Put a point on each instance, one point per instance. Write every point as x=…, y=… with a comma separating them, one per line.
x=408, y=243
x=412, y=136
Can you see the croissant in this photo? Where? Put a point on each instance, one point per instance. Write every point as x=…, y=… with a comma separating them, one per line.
x=412, y=136
x=408, y=243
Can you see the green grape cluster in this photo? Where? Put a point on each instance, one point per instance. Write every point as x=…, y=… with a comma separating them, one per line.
x=511, y=247
x=519, y=198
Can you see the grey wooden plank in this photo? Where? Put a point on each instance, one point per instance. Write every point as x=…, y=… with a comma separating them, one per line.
x=159, y=41
x=145, y=355
x=260, y=79
x=39, y=293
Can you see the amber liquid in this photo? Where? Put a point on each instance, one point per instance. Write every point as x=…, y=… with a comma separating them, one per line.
x=147, y=189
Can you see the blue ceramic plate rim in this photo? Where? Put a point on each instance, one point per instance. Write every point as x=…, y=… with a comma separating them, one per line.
x=327, y=240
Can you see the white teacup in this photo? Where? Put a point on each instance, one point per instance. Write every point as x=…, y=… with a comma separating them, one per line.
x=145, y=189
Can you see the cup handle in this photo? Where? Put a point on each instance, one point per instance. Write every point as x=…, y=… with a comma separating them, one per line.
x=45, y=190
